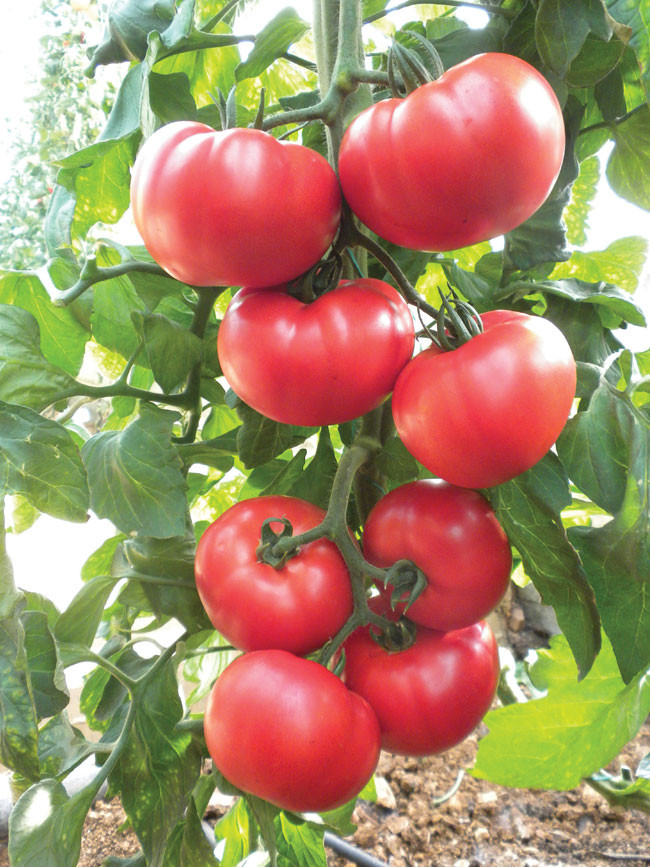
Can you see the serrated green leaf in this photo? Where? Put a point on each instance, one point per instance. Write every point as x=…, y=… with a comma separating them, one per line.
x=204, y=668
x=554, y=742
x=80, y=620
x=396, y=462
x=172, y=350
x=315, y=482
x=602, y=295
x=45, y=825
x=49, y=690
x=635, y=15
x=595, y=62
x=276, y=477
x=621, y=263
x=23, y=514
x=114, y=302
x=188, y=845
x=62, y=337
x=170, y=97
x=300, y=843
x=562, y=26
x=259, y=439
x=627, y=167
x=61, y=746
x=135, y=476
x=18, y=732
x=40, y=461
x=286, y=28
x=576, y=213
x=528, y=509
x=26, y=377
x=159, y=766
x=235, y=829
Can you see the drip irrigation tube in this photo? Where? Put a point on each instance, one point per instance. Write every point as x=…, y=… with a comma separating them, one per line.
x=357, y=856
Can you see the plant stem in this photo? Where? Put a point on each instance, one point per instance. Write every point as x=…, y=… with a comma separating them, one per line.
x=491, y=10
x=616, y=121
x=91, y=273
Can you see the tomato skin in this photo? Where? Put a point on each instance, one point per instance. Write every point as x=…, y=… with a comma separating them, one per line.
x=232, y=208
x=299, y=364
x=484, y=413
x=462, y=159
x=431, y=696
x=453, y=536
x=289, y=731
x=255, y=606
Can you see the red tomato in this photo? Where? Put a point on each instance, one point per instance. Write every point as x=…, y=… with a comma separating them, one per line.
x=287, y=730
x=454, y=537
x=255, y=606
x=234, y=207
x=321, y=363
x=430, y=696
x=462, y=159
x=485, y=412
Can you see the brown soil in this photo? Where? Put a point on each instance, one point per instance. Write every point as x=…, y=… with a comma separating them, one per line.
x=482, y=824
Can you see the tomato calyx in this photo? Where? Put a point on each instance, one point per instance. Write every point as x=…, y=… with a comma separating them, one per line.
x=457, y=322
x=322, y=278
x=395, y=636
x=406, y=580
x=405, y=65
x=268, y=551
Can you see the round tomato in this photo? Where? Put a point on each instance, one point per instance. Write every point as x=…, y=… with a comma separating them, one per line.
x=234, y=207
x=430, y=696
x=320, y=363
x=255, y=606
x=483, y=413
x=287, y=730
x=454, y=537
x=462, y=159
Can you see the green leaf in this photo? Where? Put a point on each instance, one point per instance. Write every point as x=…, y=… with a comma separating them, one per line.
x=276, y=477
x=40, y=461
x=23, y=514
x=300, y=843
x=60, y=213
x=166, y=570
x=576, y=213
x=595, y=62
x=635, y=15
x=159, y=766
x=129, y=23
x=627, y=167
x=602, y=295
x=204, y=668
x=170, y=97
x=26, y=377
x=81, y=619
x=235, y=829
x=556, y=741
x=528, y=509
x=621, y=263
x=135, y=476
x=114, y=303
x=61, y=746
x=272, y=42
x=616, y=559
x=594, y=447
x=99, y=177
x=45, y=825
x=259, y=439
x=395, y=461
x=63, y=339
x=49, y=690
x=100, y=561
x=562, y=26
x=172, y=350
x=188, y=845
x=18, y=732
x=315, y=483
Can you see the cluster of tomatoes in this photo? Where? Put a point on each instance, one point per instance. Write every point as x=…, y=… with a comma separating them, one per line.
x=241, y=208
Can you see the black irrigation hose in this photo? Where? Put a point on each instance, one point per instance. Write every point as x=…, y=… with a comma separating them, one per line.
x=357, y=856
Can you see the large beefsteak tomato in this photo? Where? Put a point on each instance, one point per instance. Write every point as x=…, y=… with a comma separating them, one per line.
x=483, y=413
x=453, y=536
x=296, y=607
x=287, y=730
x=321, y=363
x=232, y=208
x=430, y=696
x=461, y=159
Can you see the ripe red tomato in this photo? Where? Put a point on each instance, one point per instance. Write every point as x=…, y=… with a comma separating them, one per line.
x=232, y=208
x=320, y=363
x=462, y=159
x=297, y=607
x=430, y=696
x=483, y=413
x=454, y=537
x=287, y=730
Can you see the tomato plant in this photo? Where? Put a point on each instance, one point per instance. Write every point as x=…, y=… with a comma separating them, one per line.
x=232, y=208
x=254, y=605
x=452, y=163
x=453, y=536
x=485, y=412
x=275, y=723
x=299, y=364
x=430, y=696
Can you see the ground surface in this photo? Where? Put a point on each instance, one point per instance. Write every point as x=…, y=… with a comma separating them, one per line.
x=482, y=824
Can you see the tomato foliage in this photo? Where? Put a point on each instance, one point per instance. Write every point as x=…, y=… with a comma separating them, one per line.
x=226, y=383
